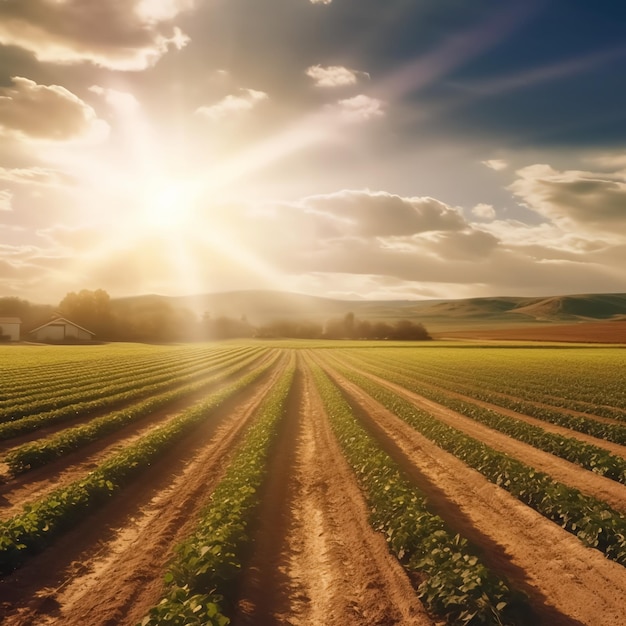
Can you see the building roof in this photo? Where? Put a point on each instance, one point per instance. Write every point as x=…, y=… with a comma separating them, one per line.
x=56, y=320
x=10, y=320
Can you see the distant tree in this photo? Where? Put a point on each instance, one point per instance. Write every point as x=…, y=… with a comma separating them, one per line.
x=407, y=330
x=91, y=309
x=381, y=330
x=348, y=325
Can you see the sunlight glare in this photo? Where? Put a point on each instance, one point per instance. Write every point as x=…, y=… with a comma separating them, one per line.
x=167, y=205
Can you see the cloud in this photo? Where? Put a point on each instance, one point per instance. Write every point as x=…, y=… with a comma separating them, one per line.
x=593, y=200
x=130, y=35
x=5, y=200
x=334, y=75
x=321, y=1
x=496, y=164
x=232, y=104
x=485, y=211
x=120, y=100
x=360, y=108
x=46, y=112
x=35, y=176
x=380, y=214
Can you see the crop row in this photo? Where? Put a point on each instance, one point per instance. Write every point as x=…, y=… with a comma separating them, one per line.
x=39, y=524
x=501, y=390
x=586, y=455
x=50, y=387
x=62, y=364
x=456, y=584
x=600, y=429
x=586, y=380
x=37, y=453
x=85, y=390
x=107, y=403
x=595, y=523
x=200, y=579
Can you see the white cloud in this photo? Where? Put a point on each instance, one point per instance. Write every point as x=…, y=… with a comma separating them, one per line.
x=360, y=108
x=591, y=200
x=130, y=35
x=321, y=1
x=379, y=214
x=5, y=200
x=233, y=104
x=496, y=164
x=34, y=176
x=121, y=100
x=334, y=75
x=46, y=112
x=485, y=211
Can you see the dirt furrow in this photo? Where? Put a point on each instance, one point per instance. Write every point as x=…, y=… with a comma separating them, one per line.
x=566, y=582
x=317, y=561
x=566, y=472
x=16, y=492
x=109, y=569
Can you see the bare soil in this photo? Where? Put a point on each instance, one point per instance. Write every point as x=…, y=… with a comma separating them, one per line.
x=581, y=332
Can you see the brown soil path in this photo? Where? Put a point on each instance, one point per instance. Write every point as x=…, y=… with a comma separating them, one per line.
x=610, y=491
x=109, y=569
x=317, y=561
x=16, y=492
x=567, y=583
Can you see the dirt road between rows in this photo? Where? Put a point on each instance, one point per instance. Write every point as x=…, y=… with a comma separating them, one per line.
x=317, y=561
x=566, y=582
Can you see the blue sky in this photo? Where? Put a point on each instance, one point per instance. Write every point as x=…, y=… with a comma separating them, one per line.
x=344, y=148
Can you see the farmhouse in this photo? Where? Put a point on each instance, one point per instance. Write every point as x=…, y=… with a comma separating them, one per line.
x=10, y=328
x=60, y=329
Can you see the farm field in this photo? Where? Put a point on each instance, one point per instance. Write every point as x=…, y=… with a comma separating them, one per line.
x=308, y=483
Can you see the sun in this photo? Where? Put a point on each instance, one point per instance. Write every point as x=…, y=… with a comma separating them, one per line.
x=167, y=204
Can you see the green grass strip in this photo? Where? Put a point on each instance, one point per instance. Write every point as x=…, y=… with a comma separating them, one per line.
x=200, y=580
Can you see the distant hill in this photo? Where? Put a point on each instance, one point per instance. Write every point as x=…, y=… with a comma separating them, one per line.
x=260, y=307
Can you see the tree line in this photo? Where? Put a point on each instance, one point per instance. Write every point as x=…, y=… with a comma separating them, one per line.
x=157, y=321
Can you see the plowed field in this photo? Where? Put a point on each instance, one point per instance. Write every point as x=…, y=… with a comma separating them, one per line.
x=314, y=557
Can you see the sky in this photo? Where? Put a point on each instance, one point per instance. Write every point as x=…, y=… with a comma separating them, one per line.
x=355, y=149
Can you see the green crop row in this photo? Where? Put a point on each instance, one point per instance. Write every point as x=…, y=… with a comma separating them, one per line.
x=589, y=381
x=208, y=562
x=595, y=523
x=61, y=365
x=456, y=584
x=37, y=453
x=586, y=455
x=80, y=395
x=47, y=392
x=40, y=522
x=85, y=409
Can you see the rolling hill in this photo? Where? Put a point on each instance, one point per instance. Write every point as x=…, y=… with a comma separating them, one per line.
x=260, y=307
